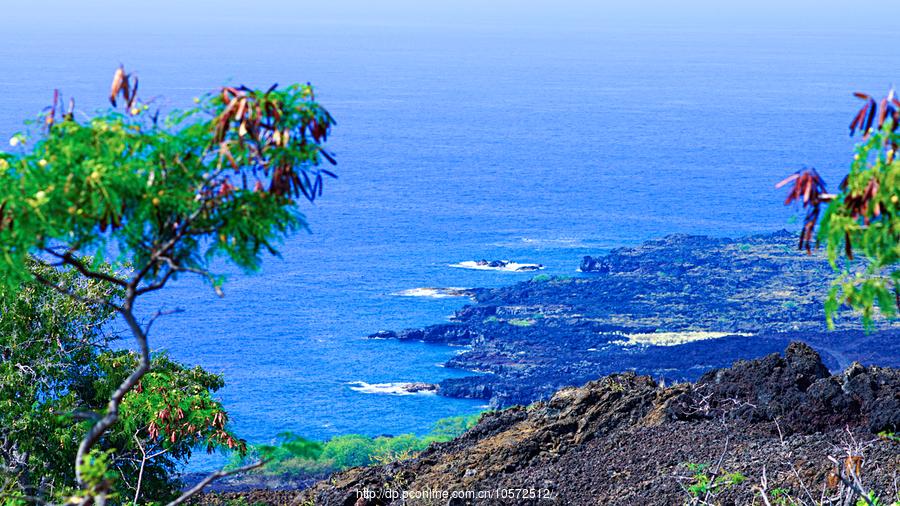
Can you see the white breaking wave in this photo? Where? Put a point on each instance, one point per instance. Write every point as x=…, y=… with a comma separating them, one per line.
x=499, y=265
x=434, y=293
x=387, y=388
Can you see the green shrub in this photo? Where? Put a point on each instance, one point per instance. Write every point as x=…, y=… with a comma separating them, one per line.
x=452, y=427
x=703, y=483
x=297, y=455
x=350, y=450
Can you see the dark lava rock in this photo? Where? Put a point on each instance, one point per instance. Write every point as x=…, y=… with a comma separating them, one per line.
x=591, y=264
x=384, y=334
x=797, y=391
x=615, y=441
x=419, y=387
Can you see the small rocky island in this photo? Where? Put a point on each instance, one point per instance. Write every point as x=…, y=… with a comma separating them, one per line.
x=671, y=309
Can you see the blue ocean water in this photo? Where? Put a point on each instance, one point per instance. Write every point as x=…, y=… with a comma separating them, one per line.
x=460, y=143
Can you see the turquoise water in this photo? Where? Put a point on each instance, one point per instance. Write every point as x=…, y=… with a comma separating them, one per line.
x=458, y=144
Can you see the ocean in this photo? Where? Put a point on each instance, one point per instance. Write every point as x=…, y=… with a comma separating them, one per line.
x=458, y=143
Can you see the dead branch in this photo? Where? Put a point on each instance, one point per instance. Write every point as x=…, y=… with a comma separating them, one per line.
x=196, y=489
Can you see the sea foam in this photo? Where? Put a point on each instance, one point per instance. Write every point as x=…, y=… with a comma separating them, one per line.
x=399, y=388
x=506, y=266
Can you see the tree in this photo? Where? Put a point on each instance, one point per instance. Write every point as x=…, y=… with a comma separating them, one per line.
x=57, y=368
x=155, y=198
x=860, y=225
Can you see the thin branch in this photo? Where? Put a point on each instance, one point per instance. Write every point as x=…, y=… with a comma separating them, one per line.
x=144, y=459
x=793, y=465
x=853, y=485
x=716, y=470
x=196, y=489
x=158, y=252
x=763, y=488
x=70, y=259
x=175, y=267
x=159, y=314
x=157, y=284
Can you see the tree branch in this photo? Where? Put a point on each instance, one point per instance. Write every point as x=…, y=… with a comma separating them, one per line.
x=196, y=489
x=70, y=259
x=112, y=411
x=159, y=314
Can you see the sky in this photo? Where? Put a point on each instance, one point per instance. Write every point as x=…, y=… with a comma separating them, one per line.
x=241, y=18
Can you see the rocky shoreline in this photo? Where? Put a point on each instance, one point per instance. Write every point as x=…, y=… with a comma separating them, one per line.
x=684, y=333
x=672, y=309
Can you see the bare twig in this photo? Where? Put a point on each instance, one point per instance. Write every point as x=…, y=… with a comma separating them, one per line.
x=196, y=489
x=159, y=314
x=793, y=465
x=763, y=488
x=69, y=259
x=144, y=459
x=715, y=473
x=853, y=484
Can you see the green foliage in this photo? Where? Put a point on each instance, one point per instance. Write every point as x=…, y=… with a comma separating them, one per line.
x=860, y=225
x=99, y=475
x=297, y=455
x=703, y=483
x=350, y=450
x=451, y=427
x=889, y=436
x=56, y=366
x=846, y=229
x=874, y=500
x=545, y=278
x=781, y=497
x=220, y=179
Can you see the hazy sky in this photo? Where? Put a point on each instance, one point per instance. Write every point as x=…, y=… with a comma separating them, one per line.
x=232, y=18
